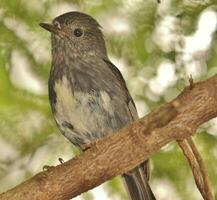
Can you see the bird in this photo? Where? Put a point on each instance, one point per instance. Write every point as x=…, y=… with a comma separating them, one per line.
x=88, y=95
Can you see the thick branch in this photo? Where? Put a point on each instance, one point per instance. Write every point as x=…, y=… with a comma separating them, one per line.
x=121, y=152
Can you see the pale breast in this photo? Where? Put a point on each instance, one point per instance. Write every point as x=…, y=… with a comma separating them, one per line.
x=83, y=116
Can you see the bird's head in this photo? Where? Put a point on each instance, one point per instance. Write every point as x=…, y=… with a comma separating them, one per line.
x=77, y=34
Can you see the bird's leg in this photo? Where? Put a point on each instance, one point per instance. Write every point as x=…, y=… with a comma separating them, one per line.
x=85, y=147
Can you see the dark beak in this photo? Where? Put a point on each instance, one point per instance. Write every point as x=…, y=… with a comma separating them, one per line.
x=49, y=27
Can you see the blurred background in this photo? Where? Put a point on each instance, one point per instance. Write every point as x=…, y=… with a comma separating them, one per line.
x=157, y=46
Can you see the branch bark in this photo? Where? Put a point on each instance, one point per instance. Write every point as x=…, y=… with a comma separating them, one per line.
x=187, y=151
x=115, y=155
x=203, y=171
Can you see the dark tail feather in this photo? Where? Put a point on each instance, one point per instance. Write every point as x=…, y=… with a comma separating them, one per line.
x=137, y=183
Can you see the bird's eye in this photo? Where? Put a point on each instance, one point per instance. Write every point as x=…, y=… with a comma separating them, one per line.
x=78, y=32
x=57, y=24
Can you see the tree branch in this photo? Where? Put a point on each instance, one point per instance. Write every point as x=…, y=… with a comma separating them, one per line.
x=193, y=164
x=206, y=183
x=119, y=153
x=196, y=162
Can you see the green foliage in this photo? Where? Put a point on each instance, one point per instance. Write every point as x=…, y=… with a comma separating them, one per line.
x=29, y=137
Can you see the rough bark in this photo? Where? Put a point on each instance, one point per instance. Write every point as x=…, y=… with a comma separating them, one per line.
x=123, y=151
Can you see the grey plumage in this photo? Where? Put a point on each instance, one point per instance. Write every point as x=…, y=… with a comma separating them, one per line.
x=88, y=95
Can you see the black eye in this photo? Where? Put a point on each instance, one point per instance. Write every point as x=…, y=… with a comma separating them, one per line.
x=78, y=32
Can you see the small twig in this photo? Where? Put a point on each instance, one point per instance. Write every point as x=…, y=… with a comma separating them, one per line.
x=191, y=82
x=61, y=160
x=193, y=164
x=204, y=174
x=198, y=167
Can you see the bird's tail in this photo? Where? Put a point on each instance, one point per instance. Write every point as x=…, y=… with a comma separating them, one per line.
x=137, y=183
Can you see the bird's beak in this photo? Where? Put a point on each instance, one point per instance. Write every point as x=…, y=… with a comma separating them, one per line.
x=51, y=28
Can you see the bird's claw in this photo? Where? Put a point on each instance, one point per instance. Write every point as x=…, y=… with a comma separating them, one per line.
x=85, y=147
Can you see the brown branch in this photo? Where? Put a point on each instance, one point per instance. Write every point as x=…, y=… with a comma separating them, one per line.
x=204, y=174
x=193, y=164
x=121, y=152
x=198, y=167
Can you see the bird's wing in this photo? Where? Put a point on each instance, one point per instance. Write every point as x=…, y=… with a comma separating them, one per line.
x=127, y=97
x=136, y=180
